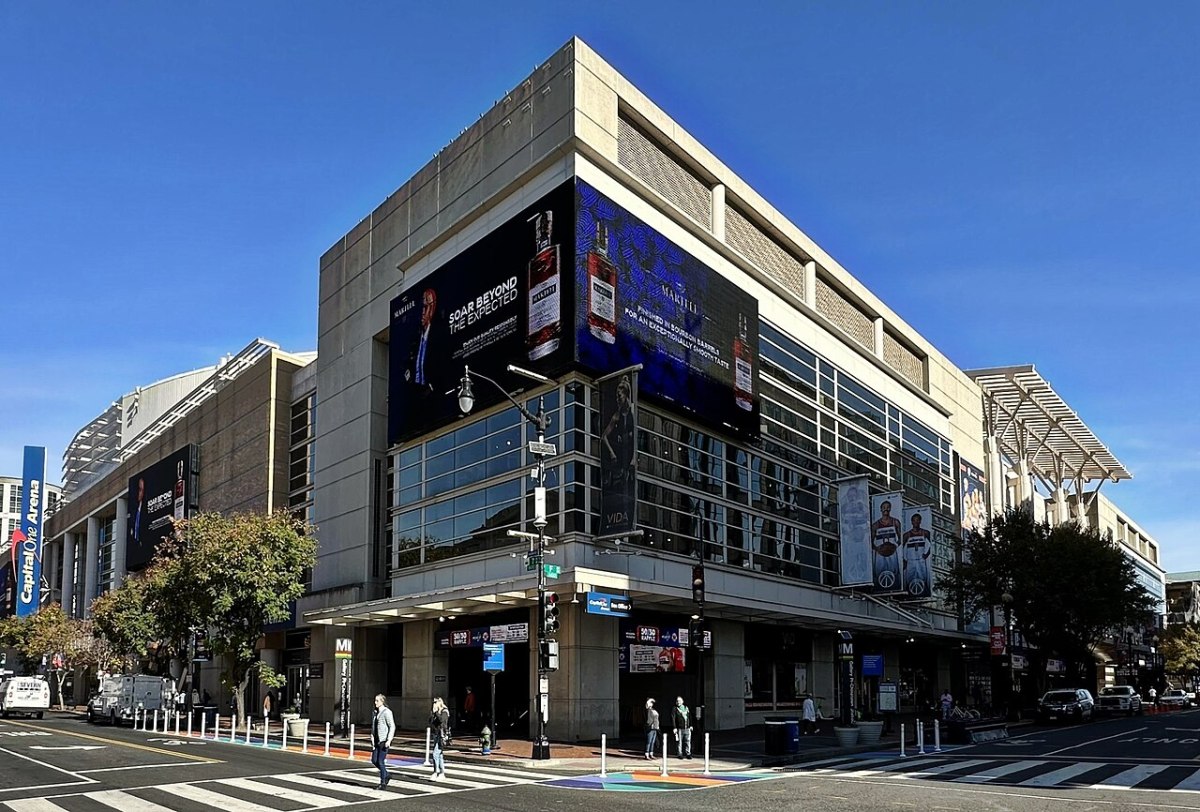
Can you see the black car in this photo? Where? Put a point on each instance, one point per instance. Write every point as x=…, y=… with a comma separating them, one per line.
x=1073, y=704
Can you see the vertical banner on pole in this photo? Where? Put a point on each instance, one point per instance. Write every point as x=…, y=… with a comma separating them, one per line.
x=27, y=537
x=854, y=530
x=618, y=454
x=886, y=531
x=343, y=653
x=916, y=567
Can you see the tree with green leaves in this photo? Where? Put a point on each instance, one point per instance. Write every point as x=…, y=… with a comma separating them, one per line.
x=1066, y=587
x=1180, y=647
x=232, y=575
x=61, y=641
x=128, y=619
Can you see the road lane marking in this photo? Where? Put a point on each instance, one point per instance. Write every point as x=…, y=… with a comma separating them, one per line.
x=1055, y=777
x=118, y=742
x=118, y=799
x=335, y=786
x=84, y=779
x=1095, y=741
x=214, y=800
x=33, y=805
x=309, y=799
x=947, y=767
x=1129, y=778
x=1192, y=782
x=135, y=767
x=998, y=772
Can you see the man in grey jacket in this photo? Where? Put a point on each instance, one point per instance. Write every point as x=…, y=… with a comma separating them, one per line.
x=383, y=728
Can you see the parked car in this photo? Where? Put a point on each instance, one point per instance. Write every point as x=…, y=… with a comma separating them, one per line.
x=26, y=695
x=1173, y=698
x=1119, y=699
x=1074, y=704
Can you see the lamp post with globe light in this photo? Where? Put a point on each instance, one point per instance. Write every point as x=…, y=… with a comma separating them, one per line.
x=1013, y=710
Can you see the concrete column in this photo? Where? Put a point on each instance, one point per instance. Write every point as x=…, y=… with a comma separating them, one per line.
x=823, y=676
x=49, y=563
x=120, y=541
x=877, y=330
x=90, y=562
x=1023, y=487
x=725, y=677
x=994, y=469
x=1061, y=513
x=584, y=693
x=421, y=664
x=810, y=284
x=67, y=592
x=718, y=211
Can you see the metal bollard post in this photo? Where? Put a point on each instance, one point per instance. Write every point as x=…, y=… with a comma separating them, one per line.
x=247, y=728
x=351, y=755
x=203, y=719
x=156, y=720
x=937, y=736
x=305, y=748
x=603, y=755
x=666, y=746
x=326, y=738
x=902, y=753
x=189, y=726
x=284, y=745
x=266, y=730
x=176, y=723
x=706, y=751
x=427, y=739
x=920, y=737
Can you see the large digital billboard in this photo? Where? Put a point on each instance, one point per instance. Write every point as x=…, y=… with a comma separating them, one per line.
x=644, y=300
x=157, y=497
x=27, y=539
x=505, y=300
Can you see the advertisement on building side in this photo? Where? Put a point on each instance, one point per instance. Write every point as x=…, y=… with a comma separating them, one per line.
x=618, y=454
x=973, y=518
x=854, y=531
x=887, y=509
x=644, y=300
x=27, y=538
x=917, y=548
x=157, y=497
x=507, y=299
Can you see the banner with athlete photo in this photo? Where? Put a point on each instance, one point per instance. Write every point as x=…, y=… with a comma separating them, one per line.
x=618, y=454
x=887, y=510
x=916, y=552
x=854, y=531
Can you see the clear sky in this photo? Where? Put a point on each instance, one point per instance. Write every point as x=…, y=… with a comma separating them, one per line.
x=1020, y=181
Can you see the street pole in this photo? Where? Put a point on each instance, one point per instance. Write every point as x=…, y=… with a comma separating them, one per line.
x=541, y=747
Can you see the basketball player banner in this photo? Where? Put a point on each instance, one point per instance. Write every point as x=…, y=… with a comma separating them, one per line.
x=854, y=531
x=887, y=511
x=916, y=552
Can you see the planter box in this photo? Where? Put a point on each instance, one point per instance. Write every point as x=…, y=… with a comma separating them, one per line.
x=846, y=736
x=869, y=732
x=296, y=728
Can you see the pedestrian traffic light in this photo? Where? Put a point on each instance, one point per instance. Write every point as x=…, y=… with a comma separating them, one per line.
x=550, y=613
x=696, y=633
x=698, y=584
x=548, y=661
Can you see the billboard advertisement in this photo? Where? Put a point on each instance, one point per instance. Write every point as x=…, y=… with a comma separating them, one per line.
x=916, y=569
x=886, y=531
x=618, y=454
x=507, y=299
x=644, y=300
x=854, y=531
x=27, y=538
x=157, y=497
x=972, y=496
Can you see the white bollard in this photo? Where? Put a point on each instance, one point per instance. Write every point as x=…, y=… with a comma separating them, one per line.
x=284, y=745
x=305, y=748
x=266, y=730
x=203, y=719
x=666, y=746
x=351, y=755
x=603, y=755
x=902, y=754
x=428, y=732
x=920, y=737
x=937, y=736
x=706, y=744
x=326, y=738
x=247, y=728
x=177, y=724
x=135, y=718
x=189, y=725
x=156, y=720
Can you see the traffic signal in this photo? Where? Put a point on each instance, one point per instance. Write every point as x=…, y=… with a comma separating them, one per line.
x=548, y=661
x=696, y=633
x=550, y=613
x=698, y=584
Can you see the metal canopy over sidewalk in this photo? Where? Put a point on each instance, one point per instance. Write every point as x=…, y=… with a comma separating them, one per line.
x=1033, y=424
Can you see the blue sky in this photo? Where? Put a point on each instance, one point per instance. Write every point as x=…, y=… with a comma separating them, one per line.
x=1019, y=181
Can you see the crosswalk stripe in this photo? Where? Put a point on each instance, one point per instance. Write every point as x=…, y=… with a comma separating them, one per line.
x=1192, y=782
x=126, y=802
x=1060, y=775
x=33, y=805
x=213, y=800
x=887, y=768
x=307, y=798
x=997, y=772
x=334, y=786
x=453, y=780
x=1130, y=777
x=946, y=767
x=412, y=781
x=825, y=761
x=523, y=776
x=852, y=765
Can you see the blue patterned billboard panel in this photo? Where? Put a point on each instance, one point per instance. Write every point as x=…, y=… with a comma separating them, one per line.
x=27, y=539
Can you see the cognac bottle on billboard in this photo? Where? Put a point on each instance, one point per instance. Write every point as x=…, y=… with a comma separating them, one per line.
x=545, y=305
x=602, y=289
x=743, y=368
x=180, y=499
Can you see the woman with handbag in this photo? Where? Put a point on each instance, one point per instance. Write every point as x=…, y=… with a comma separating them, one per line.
x=439, y=724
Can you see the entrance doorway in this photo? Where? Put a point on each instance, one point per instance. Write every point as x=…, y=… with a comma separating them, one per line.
x=296, y=691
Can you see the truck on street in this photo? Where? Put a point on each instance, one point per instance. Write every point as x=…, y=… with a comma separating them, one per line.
x=122, y=695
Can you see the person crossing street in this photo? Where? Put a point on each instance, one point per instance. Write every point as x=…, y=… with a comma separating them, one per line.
x=383, y=728
x=681, y=720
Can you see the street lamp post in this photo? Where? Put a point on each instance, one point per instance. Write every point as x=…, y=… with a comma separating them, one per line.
x=540, y=450
x=1013, y=711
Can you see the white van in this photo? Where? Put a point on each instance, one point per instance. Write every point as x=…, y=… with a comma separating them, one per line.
x=30, y=695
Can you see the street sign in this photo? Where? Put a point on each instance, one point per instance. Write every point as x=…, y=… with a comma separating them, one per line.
x=531, y=562
x=872, y=665
x=493, y=657
x=601, y=603
x=543, y=449
x=552, y=570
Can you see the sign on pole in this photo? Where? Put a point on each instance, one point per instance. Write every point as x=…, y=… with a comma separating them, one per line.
x=27, y=538
x=493, y=657
x=343, y=653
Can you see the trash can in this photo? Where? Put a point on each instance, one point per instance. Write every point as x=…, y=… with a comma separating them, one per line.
x=791, y=735
x=774, y=736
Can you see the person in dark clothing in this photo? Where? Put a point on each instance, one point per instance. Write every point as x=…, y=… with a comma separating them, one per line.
x=651, y=729
x=681, y=720
x=439, y=723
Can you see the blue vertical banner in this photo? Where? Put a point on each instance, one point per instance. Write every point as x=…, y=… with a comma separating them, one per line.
x=27, y=539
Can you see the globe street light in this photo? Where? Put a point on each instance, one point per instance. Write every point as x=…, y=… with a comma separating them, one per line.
x=539, y=450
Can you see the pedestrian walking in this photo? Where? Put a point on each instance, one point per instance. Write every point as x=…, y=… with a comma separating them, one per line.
x=383, y=729
x=947, y=703
x=268, y=701
x=651, y=729
x=439, y=723
x=1153, y=696
x=468, y=706
x=681, y=720
x=808, y=712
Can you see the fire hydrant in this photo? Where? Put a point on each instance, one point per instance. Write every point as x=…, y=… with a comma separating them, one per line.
x=485, y=740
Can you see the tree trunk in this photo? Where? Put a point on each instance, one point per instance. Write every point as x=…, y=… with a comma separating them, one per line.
x=60, y=676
